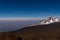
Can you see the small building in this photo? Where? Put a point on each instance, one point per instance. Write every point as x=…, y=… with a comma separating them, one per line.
x=50, y=20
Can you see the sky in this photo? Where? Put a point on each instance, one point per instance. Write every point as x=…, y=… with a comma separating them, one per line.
x=29, y=8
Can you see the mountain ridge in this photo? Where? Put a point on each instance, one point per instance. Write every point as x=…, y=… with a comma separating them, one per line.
x=38, y=32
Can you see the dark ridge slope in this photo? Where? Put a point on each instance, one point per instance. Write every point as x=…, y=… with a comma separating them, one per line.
x=41, y=32
x=54, y=26
x=37, y=32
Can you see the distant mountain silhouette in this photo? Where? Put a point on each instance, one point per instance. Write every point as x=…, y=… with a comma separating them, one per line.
x=37, y=32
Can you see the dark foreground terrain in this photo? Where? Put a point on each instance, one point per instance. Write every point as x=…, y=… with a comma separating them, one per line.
x=38, y=32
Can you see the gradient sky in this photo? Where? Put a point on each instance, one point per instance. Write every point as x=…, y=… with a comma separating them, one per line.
x=29, y=8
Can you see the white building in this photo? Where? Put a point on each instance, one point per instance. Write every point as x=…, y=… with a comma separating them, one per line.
x=50, y=20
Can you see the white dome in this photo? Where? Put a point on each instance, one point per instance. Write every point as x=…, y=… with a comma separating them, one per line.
x=50, y=20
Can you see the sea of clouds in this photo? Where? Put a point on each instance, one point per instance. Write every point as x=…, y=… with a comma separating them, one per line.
x=12, y=25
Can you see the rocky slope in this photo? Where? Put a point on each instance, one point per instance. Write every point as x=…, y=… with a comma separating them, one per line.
x=38, y=32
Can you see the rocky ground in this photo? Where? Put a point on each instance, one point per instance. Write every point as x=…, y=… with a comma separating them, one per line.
x=38, y=32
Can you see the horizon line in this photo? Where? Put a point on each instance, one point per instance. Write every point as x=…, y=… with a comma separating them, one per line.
x=20, y=18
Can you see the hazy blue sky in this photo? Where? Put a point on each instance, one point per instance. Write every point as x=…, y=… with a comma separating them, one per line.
x=29, y=8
